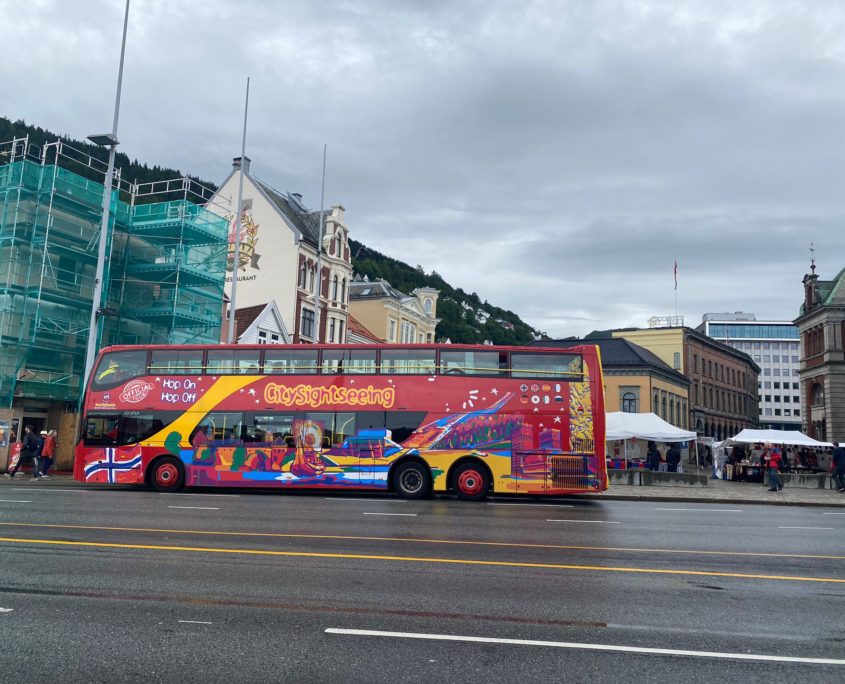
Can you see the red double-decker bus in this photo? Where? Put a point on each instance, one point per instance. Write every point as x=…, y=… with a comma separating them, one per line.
x=413, y=419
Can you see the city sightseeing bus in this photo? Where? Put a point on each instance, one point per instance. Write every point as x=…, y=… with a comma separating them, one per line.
x=411, y=419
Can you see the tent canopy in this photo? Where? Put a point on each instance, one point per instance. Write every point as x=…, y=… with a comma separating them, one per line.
x=620, y=425
x=791, y=437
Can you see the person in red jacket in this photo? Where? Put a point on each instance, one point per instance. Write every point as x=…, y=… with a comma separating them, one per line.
x=47, y=453
x=774, y=459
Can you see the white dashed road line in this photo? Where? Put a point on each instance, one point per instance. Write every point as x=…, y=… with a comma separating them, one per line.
x=197, y=508
x=409, y=515
x=603, y=522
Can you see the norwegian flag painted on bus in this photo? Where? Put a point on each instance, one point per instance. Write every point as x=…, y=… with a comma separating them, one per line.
x=113, y=465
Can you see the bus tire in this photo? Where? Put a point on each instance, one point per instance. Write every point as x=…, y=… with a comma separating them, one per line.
x=167, y=475
x=471, y=481
x=412, y=480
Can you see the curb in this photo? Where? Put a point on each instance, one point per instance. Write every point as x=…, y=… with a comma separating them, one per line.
x=697, y=499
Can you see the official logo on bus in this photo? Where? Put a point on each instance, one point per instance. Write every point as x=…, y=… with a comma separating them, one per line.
x=135, y=391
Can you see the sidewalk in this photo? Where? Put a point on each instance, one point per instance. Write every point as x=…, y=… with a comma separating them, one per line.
x=716, y=491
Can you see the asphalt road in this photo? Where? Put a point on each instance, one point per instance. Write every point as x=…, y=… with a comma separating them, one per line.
x=108, y=585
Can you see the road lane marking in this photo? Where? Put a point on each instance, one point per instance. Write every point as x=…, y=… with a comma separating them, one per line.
x=493, y=503
x=703, y=510
x=197, y=508
x=54, y=489
x=233, y=496
x=14, y=501
x=417, y=540
x=7, y=610
x=334, y=498
x=833, y=513
x=787, y=527
x=194, y=622
x=603, y=522
x=417, y=559
x=410, y=515
x=586, y=647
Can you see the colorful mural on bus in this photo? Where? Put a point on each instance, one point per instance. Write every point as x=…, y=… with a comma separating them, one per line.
x=524, y=436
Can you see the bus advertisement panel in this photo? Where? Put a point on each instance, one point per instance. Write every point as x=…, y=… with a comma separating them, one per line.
x=412, y=419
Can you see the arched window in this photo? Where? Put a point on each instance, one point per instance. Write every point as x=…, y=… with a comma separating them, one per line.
x=343, y=291
x=629, y=402
x=655, y=405
x=427, y=306
x=334, y=289
x=302, y=275
x=818, y=395
x=664, y=408
x=672, y=411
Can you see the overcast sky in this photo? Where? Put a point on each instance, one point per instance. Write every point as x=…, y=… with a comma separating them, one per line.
x=555, y=157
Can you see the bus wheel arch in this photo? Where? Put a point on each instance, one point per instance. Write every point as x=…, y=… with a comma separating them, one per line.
x=410, y=478
x=166, y=473
x=470, y=479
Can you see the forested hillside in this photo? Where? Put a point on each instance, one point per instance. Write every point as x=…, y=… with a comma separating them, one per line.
x=465, y=318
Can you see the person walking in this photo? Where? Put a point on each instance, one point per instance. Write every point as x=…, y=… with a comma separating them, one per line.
x=47, y=453
x=29, y=452
x=673, y=458
x=837, y=463
x=773, y=465
x=652, y=458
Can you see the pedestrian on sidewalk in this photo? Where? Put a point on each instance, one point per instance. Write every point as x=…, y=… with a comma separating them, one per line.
x=652, y=459
x=773, y=459
x=47, y=453
x=837, y=463
x=29, y=452
x=673, y=458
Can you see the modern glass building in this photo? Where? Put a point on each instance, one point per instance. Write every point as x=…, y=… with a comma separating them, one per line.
x=774, y=347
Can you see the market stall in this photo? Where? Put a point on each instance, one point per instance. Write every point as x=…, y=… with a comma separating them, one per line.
x=803, y=453
x=635, y=427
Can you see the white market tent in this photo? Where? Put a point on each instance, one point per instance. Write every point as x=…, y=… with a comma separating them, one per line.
x=791, y=437
x=620, y=425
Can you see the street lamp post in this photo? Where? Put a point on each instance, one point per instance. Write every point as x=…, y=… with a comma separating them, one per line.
x=104, y=139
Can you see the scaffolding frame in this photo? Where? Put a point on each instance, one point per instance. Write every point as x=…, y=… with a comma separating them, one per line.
x=164, y=271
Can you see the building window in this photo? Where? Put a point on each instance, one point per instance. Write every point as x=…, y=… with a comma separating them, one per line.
x=307, y=326
x=331, y=326
x=302, y=275
x=427, y=306
x=343, y=291
x=334, y=288
x=340, y=337
x=262, y=337
x=629, y=402
x=677, y=360
x=391, y=330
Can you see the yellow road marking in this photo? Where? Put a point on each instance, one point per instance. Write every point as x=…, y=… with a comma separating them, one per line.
x=417, y=540
x=414, y=559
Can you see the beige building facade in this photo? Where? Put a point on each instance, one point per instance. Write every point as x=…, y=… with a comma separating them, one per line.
x=392, y=315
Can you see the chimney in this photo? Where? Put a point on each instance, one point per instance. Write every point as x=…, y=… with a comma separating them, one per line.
x=810, y=290
x=236, y=164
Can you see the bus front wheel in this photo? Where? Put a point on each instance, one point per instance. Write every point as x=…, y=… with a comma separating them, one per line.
x=167, y=475
x=412, y=481
x=471, y=482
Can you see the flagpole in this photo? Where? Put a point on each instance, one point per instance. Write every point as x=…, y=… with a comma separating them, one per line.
x=239, y=224
x=676, y=289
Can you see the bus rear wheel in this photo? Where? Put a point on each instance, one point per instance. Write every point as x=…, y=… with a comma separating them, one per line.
x=412, y=481
x=167, y=475
x=471, y=482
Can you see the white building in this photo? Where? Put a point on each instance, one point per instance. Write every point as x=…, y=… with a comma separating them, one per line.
x=774, y=347
x=278, y=255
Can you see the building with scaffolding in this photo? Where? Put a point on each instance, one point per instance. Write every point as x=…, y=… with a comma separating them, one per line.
x=163, y=278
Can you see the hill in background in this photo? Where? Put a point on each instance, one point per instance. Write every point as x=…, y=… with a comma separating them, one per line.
x=464, y=317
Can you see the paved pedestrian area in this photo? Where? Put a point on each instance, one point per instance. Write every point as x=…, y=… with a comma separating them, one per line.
x=716, y=491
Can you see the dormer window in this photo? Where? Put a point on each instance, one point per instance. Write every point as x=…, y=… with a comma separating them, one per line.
x=427, y=305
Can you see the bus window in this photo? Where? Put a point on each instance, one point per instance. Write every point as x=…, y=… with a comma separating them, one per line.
x=332, y=361
x=361, y=361
x=118, y=429
x=176, y=362
x=233, y=362
x=117, y=367
x=402, y=423
x=548, y=366
x=276, y=428
x=344, y=427
x=314, y=430
x=223, y=428
x=301, y=361
x=408, y=361
x=468, y=362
